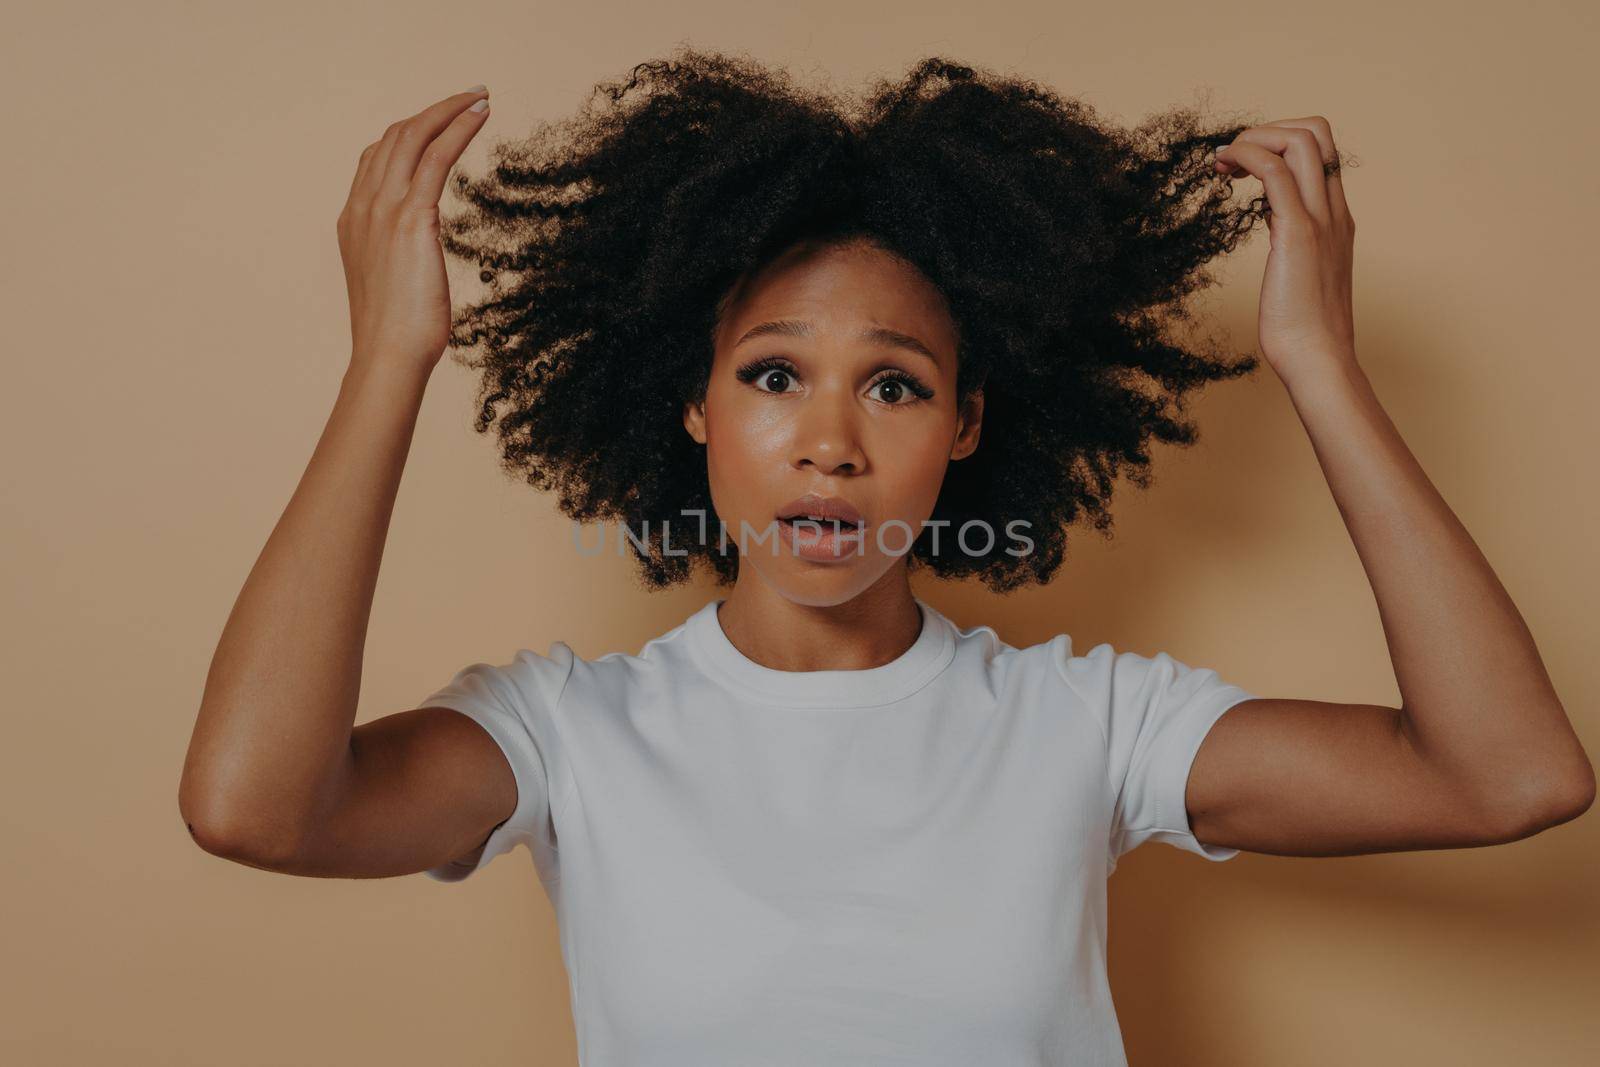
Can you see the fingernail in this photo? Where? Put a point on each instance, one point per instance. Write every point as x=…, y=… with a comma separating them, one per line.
x=475, y=89
x=481, y=105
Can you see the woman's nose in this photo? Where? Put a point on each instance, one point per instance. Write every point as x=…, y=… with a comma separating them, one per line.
x=826, y=434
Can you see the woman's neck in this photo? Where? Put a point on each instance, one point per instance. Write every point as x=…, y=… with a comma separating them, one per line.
x=871, y=629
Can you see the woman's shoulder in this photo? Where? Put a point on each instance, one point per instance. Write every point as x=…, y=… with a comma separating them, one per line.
x=665, y=653
x=1021, y=667
x=985, y=639
x=1085, y=669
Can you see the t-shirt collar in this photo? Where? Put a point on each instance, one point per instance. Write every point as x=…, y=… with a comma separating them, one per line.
x=895, y=680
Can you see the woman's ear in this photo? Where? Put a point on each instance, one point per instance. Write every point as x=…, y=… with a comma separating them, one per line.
x=969, y=423
x=694, y=420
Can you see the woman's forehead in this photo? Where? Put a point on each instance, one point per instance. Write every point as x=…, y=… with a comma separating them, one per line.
x=839, y=292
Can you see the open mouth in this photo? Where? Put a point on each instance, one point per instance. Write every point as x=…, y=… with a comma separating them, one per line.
x=832, y=513
x=821, y=523
x=822, y=538
x=822, y=528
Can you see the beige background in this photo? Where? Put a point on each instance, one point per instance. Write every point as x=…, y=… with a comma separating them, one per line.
x=175, y=334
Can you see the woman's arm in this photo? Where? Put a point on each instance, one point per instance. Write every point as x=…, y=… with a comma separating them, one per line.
x=271, y=753
x=1481, y=750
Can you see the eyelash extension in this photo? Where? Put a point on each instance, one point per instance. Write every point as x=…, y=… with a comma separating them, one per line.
x=756, y=367
x=914, y=387
x=749, y=372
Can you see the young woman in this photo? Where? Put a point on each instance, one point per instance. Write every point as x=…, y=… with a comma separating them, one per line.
x=817, y=822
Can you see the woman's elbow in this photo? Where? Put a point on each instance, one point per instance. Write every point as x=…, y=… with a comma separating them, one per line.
x=1555, y=800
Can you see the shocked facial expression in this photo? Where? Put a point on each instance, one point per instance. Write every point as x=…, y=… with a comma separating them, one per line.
x=831, y=395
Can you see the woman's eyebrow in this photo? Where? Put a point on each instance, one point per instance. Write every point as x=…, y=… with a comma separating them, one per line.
x=881, y=335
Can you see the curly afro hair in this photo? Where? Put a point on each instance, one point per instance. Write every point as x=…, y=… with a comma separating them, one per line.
x=1065, y=247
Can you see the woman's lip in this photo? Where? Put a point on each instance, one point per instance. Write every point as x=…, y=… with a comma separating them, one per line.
x=843, y=524
x=824, y=507
x=822, y=542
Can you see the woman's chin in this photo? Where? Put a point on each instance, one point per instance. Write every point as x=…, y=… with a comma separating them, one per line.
x=821, y=584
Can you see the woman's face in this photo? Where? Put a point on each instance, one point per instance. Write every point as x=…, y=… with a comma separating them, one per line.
x=834, y=374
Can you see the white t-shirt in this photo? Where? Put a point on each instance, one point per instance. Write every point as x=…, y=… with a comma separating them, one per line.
x=900, y=865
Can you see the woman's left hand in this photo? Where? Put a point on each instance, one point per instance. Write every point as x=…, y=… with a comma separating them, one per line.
x=1305, y=315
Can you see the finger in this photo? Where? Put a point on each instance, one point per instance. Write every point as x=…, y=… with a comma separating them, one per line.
x=427, y=184
x=363, y=165
x=1323, y=132
x=352, y=220
x=1283, y=190
x=413, y=137
x=373, y=178
x=1299, y=149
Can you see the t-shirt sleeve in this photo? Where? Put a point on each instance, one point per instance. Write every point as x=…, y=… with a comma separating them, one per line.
x=1154, y=713
x=516, y=704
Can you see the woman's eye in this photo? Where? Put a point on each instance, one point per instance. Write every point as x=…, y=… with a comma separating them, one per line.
x=767, y=375
x=898, y=391
x=773, y=381
x=892, y=390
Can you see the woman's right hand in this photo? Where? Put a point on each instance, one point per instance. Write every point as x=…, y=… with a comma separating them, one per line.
x=389, y=234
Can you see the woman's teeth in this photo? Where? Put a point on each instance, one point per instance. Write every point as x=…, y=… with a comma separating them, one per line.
x=814, y=518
